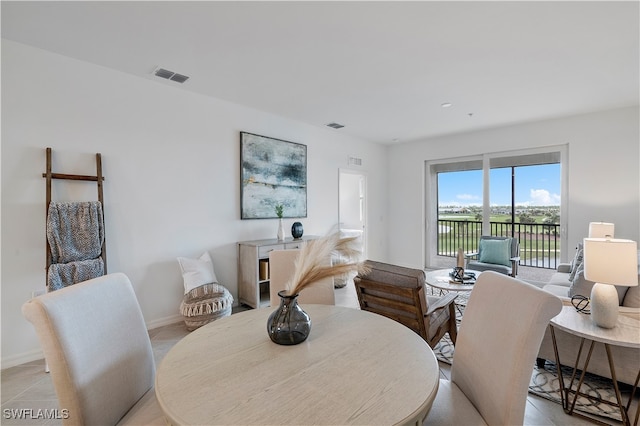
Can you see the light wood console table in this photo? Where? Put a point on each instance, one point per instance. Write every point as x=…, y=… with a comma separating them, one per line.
x=253, y=288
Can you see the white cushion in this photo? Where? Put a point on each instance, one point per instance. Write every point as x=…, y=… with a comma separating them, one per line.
x=558, y=290
x=452, y=407
x=632, y=298
x=197, y=272
x=582, y=286
x=576, y=263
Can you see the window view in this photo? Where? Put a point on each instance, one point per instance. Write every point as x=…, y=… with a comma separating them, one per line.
x=524, y=203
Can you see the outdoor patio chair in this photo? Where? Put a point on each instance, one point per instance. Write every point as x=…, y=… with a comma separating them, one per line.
x=499, y=254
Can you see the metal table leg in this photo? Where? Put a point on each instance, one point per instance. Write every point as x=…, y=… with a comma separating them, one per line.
x=568, y=405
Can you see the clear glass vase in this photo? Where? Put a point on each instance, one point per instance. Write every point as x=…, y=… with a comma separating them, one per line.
x=289, y=324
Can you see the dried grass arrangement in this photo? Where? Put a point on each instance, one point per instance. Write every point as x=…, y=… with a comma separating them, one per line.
x=312, y=266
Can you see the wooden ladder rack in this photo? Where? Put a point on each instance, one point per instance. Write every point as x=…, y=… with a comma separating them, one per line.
x=99, y=178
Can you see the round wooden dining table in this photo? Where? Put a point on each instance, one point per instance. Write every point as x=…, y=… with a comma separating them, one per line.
x=355, y=367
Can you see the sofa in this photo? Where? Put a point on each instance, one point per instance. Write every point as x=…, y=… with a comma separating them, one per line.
x=567, y=281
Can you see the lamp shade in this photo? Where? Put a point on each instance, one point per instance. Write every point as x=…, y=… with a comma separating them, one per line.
x=601, y=230
x=611, y=261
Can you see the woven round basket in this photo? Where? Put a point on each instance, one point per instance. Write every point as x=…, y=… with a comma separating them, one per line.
x=204, y=304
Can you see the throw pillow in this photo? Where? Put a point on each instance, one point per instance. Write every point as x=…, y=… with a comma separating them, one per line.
x=632, y=298
x=582, y=286
x=197, y=272
x=579, y=284
x=495, y=251
x=577, y=262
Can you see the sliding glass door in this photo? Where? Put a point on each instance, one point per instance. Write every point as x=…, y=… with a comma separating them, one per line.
x=504, y=195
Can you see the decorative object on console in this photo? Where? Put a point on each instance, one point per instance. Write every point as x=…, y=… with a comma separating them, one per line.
x=609, y=261
x=601, y=230
x=272, y=171
x=279, y=213
x=296, y=230
x=287, y=324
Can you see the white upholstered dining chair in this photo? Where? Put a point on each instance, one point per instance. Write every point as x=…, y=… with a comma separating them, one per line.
x=493, y=360
x=281, y=268
x=98, y=350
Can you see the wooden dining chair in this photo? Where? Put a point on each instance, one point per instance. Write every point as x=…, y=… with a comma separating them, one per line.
x=97, y=346
x=498, y=341
x=281, y=268
x=399, y=293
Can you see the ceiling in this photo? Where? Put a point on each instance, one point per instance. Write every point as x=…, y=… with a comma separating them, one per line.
x=382, y=69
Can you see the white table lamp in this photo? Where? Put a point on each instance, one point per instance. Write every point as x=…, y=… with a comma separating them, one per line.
x=601, y=230
x=609, y=261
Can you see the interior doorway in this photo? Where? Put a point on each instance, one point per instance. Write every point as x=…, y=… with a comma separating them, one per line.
x=352, y=214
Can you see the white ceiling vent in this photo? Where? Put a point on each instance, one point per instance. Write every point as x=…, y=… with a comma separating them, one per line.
x=170, y=75
x=355, y=161
x=335, y=125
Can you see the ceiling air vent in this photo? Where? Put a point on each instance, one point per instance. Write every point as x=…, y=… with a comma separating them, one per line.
x=335, y=125
x=355, y=161
x=179, y=78
x=170, y=75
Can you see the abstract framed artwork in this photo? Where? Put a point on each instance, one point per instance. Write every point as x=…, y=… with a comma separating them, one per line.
x=272, y=172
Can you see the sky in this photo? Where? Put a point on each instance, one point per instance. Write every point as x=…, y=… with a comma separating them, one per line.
x=535, y=186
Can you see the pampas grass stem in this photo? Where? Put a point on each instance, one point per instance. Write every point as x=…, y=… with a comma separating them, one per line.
x=314, y=261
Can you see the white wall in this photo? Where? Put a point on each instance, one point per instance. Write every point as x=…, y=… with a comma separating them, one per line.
x=171, y=162
x=171, y=167
x=604, y=181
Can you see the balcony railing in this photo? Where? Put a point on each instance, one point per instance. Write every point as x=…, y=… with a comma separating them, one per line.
x=539, y=243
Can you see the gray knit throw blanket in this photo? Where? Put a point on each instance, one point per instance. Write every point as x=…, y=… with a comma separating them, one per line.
x=65, y=274
x=75, y=231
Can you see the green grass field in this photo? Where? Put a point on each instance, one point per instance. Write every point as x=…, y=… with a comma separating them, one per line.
x=536, y=241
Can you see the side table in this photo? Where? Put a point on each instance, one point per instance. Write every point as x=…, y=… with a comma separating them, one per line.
x=441, y=280
x=626, y=334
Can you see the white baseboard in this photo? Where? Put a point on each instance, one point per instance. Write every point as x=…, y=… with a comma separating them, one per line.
x=22, y=358
x=164, y=321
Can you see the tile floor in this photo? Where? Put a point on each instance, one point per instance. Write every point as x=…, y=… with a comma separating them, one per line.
x=27, y=386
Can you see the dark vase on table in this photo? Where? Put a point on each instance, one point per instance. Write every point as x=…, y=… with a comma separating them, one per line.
x=289, y=324
x=296, y=230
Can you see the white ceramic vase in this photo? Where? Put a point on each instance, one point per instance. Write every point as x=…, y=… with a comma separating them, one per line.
x=280, y=230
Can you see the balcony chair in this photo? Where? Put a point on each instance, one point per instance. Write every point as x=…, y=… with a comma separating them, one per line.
x=499, y=254
x=399, y=293
x=96, y=344
x=498, y=341
x=281, y=267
